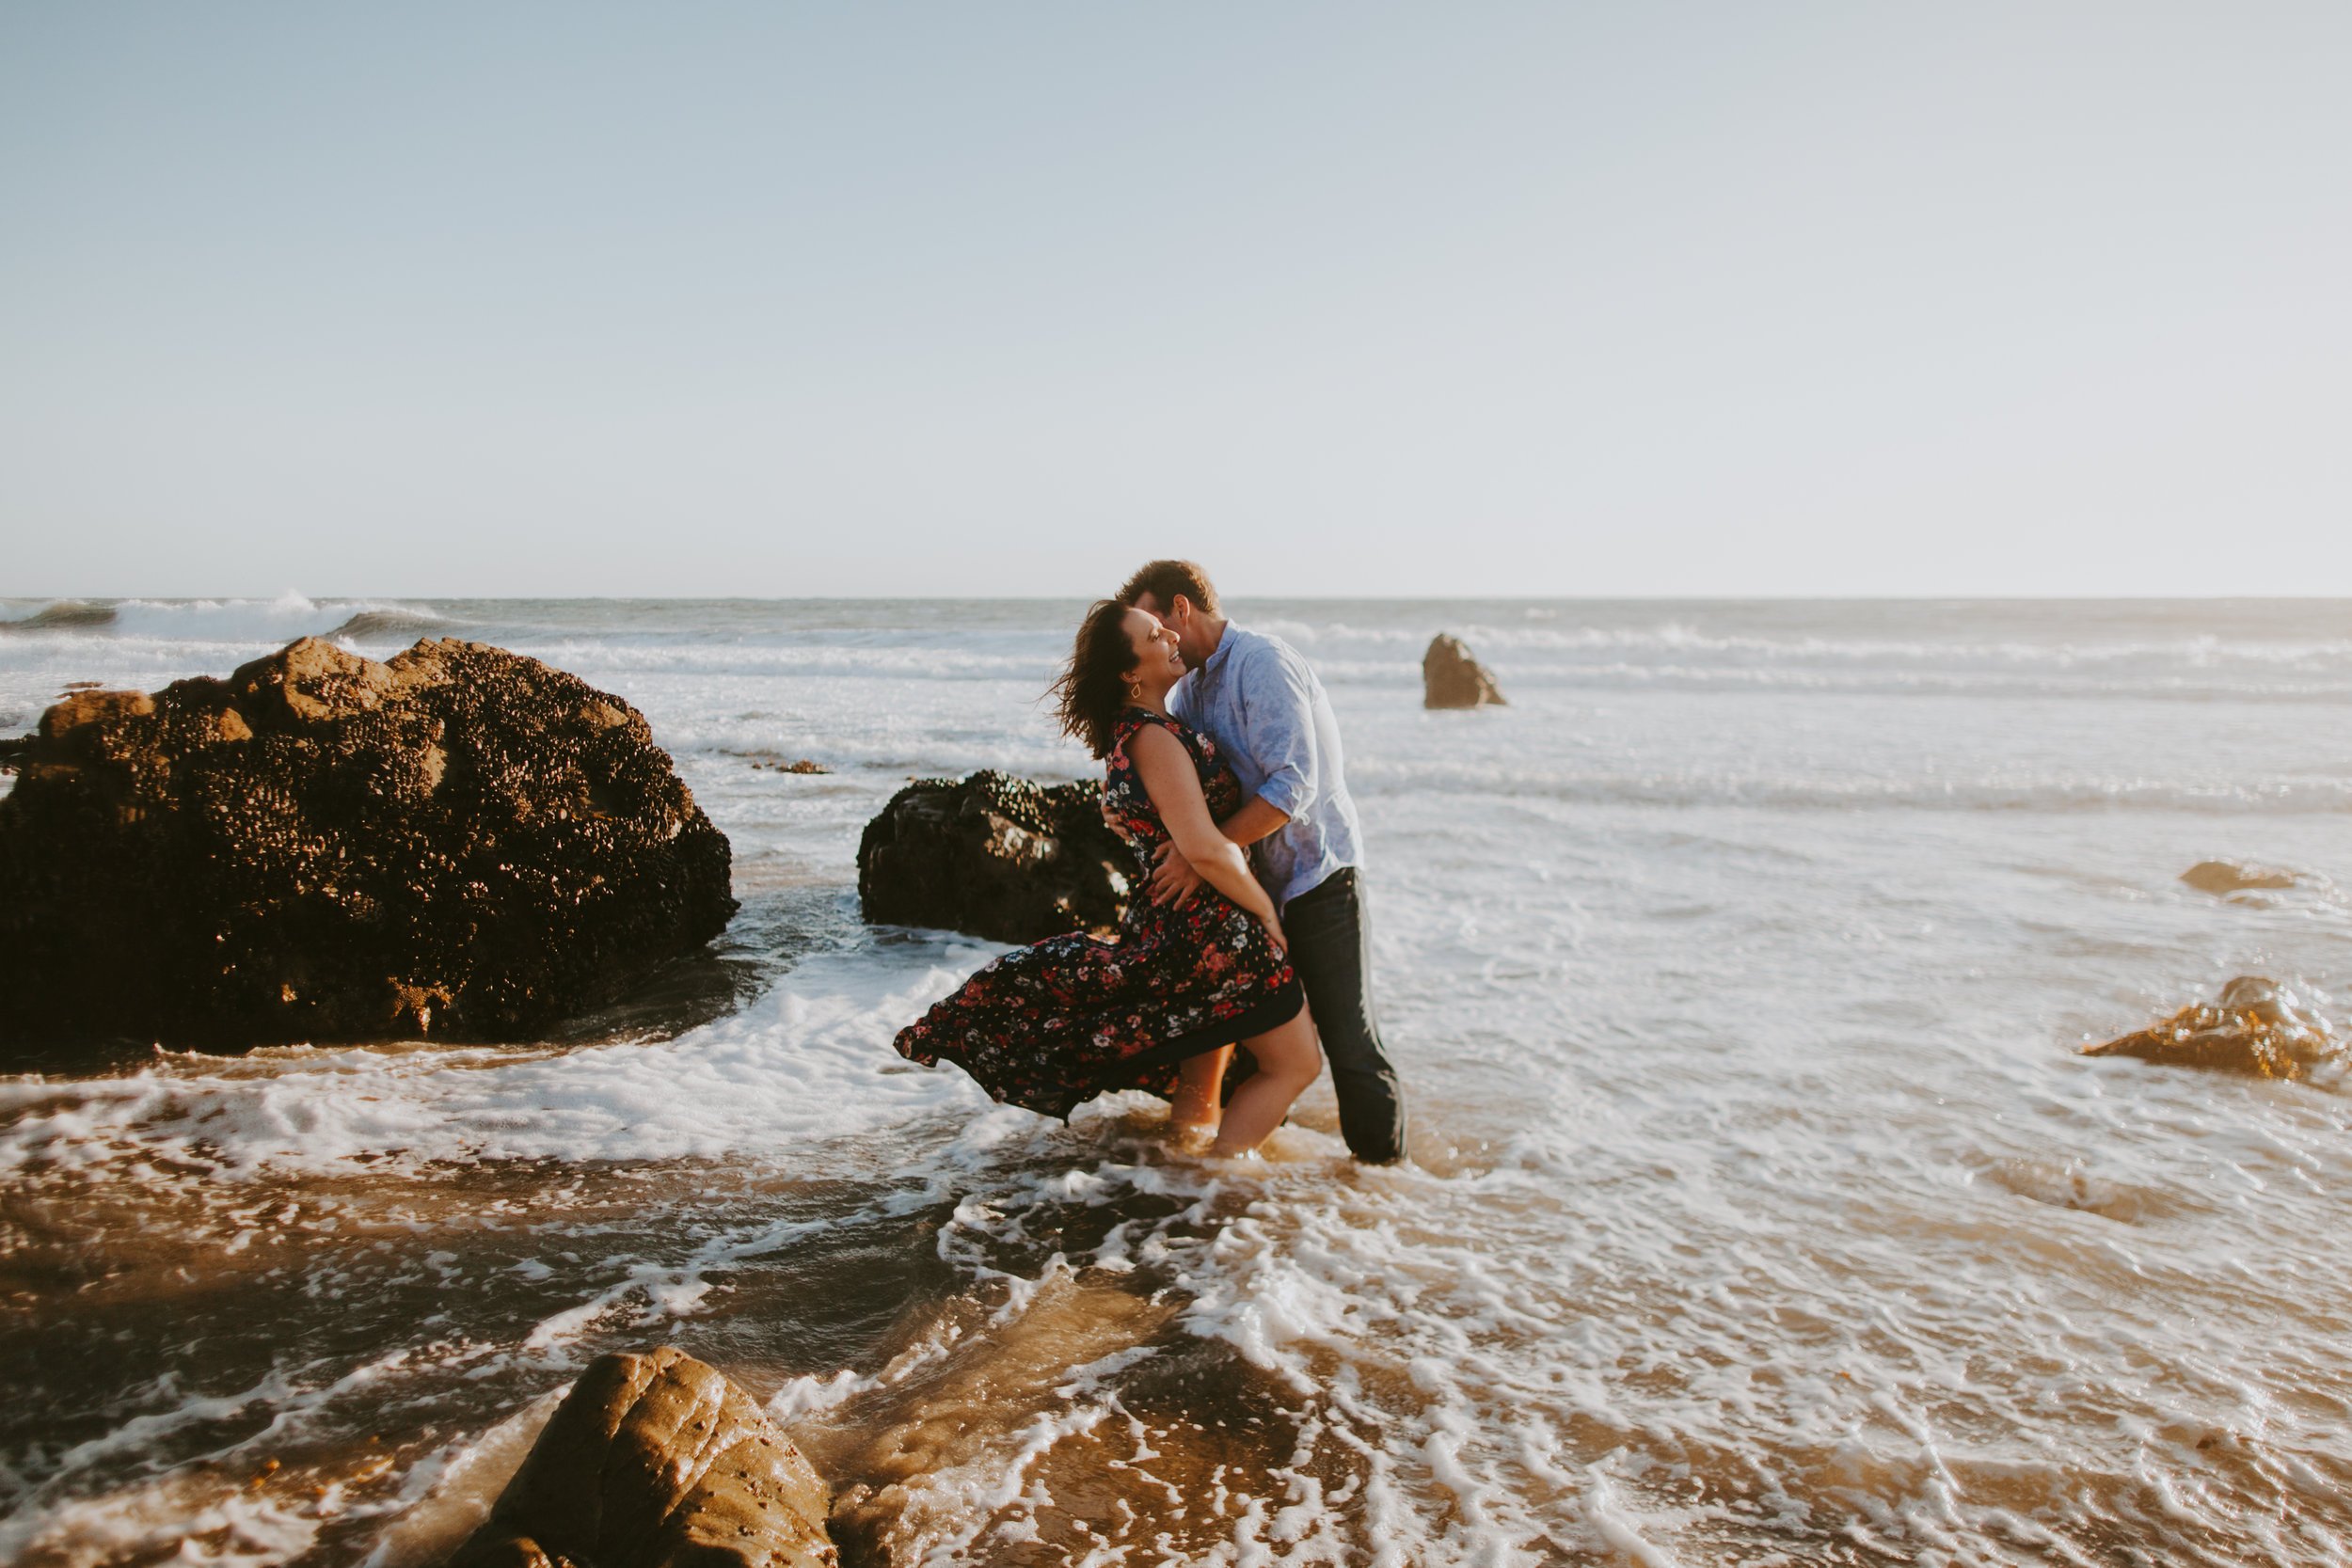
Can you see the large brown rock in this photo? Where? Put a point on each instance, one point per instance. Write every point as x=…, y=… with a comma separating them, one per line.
x=1451, y=678
x=92, y=708
x=657, y=1461
x=993, y=856
x=459, y=842
x=2256, y=1026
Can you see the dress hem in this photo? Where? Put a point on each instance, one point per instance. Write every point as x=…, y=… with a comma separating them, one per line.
x=1256, y=1019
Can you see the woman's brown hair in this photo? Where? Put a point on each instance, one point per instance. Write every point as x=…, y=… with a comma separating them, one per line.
x=1092, y=691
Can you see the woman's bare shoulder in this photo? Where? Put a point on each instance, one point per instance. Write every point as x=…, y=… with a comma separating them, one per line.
x=1149, y=738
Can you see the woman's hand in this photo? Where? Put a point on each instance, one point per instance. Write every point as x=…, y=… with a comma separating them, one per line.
x=1273, y=924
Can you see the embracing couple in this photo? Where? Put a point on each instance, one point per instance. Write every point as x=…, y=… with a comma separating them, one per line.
x=1219, y=750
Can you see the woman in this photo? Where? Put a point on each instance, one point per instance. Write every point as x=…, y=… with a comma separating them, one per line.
x=1050, y=1026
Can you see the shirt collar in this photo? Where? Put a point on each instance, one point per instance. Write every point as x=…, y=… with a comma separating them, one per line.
x=1210, y=665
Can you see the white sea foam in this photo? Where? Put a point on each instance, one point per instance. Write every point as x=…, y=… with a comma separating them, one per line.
x=235, y=622
x=806, y=1064
x=180, y=1517
x=2015, y=791
x=1763, y=1212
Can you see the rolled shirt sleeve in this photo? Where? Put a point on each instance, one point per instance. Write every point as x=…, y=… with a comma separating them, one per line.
x=1259, y=699
x=1279, y=705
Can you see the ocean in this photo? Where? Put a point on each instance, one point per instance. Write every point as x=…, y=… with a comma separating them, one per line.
x=1764, y=1211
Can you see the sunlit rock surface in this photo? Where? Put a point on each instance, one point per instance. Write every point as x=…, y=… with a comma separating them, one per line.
x=459, y=842
x=2256, y=1026
x=657, y=1461
x=993, y=856
x=2223, y=878
x=1452, y=679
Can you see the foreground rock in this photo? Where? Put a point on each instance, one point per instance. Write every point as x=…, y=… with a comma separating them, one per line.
x=657, y=1461
x=993, y=856
x=460, y=842
x=2256, y=1026
x=1451, y=678
x=2223, y=878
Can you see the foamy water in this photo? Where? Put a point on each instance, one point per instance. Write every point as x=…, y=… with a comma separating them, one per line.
x=1763, y=1212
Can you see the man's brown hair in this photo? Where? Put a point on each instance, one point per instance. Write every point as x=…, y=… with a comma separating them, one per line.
x=1165, y=579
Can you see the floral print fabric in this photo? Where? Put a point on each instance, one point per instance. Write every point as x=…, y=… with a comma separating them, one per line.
x=1050, y=1026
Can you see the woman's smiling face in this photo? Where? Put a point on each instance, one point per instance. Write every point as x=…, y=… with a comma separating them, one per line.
x=1159, y=663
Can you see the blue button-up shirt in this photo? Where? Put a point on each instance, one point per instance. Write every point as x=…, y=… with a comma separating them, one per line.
x=1262, y=705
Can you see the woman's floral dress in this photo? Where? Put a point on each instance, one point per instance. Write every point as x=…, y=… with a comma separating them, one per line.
x=1051, y=1026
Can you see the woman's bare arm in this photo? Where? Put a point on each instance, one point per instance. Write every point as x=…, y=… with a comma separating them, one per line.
x=1167, y=771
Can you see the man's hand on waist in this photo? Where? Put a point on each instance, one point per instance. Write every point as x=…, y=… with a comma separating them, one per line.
x=1173, y=882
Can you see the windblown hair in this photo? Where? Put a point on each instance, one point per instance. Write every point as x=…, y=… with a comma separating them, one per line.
x=1092, y=691
x=1165, y=579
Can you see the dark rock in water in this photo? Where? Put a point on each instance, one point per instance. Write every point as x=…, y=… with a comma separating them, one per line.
x=993, y=856
x=2255, y=1027
x=65, y=615
x=1451, y=678
x=657, y=1461
x=2223, y=878
x=461, y=842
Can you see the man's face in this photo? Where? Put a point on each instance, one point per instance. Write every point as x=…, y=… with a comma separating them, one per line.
x=1176, y=615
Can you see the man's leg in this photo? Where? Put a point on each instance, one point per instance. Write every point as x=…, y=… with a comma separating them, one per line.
x=1331, y=949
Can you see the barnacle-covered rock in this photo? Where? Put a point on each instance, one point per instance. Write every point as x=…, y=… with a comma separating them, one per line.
x=657, y=1461
x=459, y=842
x=993, y=856
x=1449, y=677
x=2256, y=1026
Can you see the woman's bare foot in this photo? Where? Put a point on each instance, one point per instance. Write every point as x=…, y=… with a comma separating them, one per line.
x=1192, y=1137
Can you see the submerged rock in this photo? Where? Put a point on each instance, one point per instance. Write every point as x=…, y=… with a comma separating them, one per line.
x=2223, y=878
x=993, y=856
x=1451, y=678
x=459, y=842
x=64, y=615
x=657, y=1461
x=2256, y=1026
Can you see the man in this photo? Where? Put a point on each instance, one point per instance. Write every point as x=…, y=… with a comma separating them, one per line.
x=1262, y=705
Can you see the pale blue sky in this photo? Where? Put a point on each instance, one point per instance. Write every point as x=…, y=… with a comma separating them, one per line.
x=782, y=299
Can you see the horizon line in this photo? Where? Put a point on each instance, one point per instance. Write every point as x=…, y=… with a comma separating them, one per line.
x=62, y=600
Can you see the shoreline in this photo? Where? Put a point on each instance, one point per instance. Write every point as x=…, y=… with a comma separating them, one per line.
x=1766, y=1198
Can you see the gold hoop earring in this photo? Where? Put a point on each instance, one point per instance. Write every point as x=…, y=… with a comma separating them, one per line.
x=1135, y=691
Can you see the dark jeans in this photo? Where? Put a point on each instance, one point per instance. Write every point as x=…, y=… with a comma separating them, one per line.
x=1331, y=949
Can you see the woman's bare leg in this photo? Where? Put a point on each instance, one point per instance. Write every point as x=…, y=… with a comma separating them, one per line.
x=1288, y=1061
x=1198, y=1106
